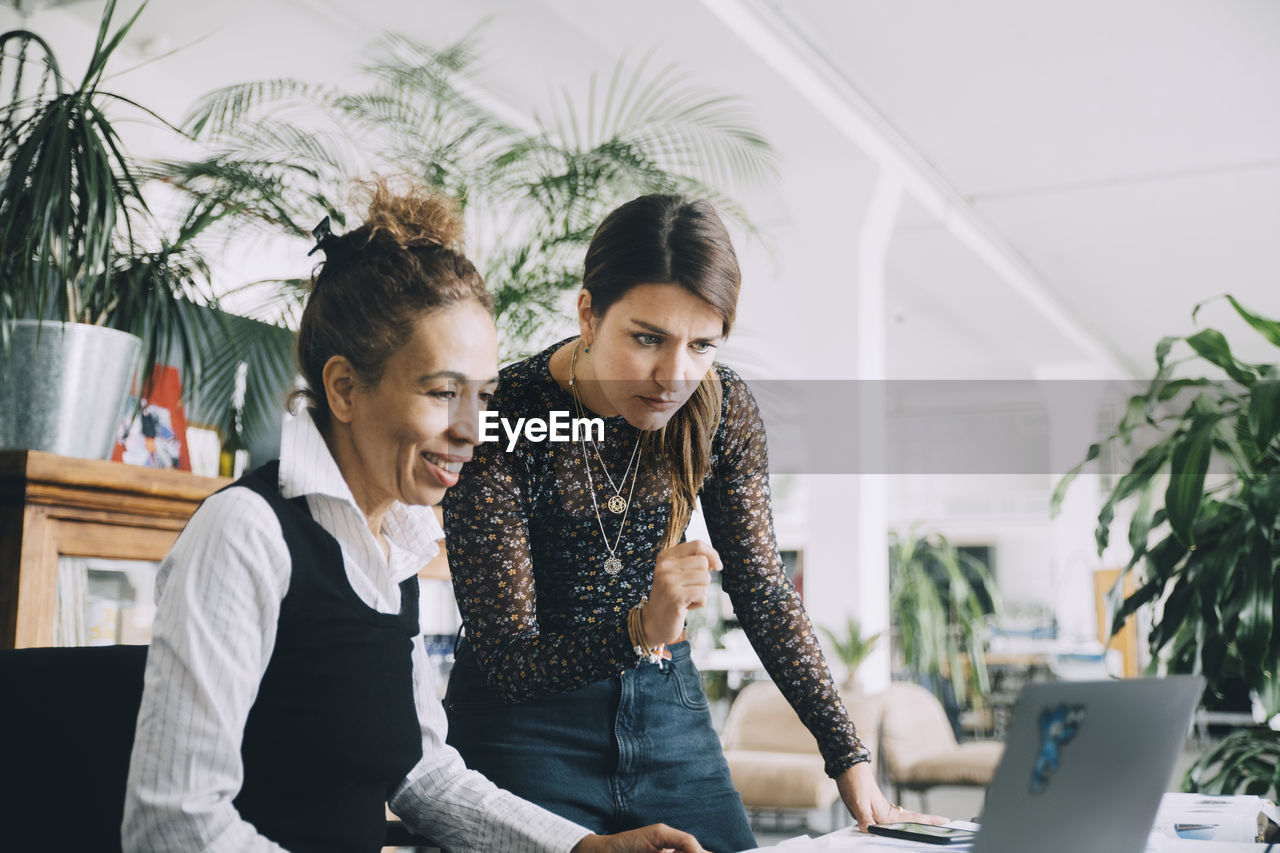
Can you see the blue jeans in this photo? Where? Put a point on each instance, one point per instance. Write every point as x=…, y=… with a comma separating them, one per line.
x=630, y=750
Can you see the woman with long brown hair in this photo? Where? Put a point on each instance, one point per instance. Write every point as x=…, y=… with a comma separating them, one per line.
x=573, y=684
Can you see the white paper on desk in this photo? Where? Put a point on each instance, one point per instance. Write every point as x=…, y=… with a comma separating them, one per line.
x=1234, y=819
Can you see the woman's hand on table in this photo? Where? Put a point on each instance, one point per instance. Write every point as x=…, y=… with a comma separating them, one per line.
x=681, y=577
x=868, y=805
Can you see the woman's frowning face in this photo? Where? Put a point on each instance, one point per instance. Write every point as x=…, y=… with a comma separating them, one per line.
x=650, y=350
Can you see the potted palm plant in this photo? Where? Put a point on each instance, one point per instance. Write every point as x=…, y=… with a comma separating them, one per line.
x=533, y=196
x=65, y=184
x=1205, y=494
x=94, y=284
x=940, y=599
x=82, y=296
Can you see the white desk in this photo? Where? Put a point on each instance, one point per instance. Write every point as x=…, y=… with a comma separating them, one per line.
x=855, y=842
x=850, y=838
x=1235, y=816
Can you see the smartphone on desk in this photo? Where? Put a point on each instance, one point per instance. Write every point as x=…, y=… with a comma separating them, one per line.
x=923, y=832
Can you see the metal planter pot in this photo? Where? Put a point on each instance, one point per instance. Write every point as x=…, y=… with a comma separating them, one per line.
x=62, y=387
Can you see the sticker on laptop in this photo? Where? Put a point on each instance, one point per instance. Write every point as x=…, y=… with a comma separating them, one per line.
x=1057, y=727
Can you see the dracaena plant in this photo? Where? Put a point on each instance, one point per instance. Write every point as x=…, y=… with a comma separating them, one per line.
x=1206, y=498
x=77, y=239
x=79, y=243
x=939, y=614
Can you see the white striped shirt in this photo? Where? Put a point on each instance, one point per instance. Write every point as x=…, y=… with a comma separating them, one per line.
x=219, y=592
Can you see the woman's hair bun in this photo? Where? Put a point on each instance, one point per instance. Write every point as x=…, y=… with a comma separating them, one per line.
x=413, y=215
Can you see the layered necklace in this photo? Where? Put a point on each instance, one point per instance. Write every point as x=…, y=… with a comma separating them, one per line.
x=617, y=504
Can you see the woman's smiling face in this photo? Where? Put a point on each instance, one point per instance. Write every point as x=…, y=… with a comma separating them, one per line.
x=650, y=350
x=413, y=431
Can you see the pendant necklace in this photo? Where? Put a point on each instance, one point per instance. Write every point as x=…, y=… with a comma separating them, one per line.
x=612, y=565
x=616, y=504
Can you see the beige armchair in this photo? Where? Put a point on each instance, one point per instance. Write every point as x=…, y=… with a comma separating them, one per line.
x=919, y=749
x=773, y=759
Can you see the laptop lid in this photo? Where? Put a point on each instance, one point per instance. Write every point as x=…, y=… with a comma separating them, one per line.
x=1085, y=765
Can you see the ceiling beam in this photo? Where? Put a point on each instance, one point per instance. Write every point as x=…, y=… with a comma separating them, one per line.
x=812, y=76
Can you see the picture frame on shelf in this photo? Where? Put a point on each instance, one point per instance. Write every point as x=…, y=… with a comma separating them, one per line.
x=153, y=429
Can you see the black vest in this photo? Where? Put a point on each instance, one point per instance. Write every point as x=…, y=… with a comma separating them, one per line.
x=334, y=728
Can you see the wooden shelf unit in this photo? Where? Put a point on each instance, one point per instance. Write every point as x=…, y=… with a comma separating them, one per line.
x=55, y=506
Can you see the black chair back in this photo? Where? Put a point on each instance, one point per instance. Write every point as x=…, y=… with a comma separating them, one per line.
x=67, y=718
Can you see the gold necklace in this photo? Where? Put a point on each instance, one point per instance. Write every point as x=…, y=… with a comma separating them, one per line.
x=612, y=565
x=616, y=504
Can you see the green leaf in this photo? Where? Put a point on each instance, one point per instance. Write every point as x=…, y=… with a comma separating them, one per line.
x=267, y=350
x=1257, y=612
x=1264, y=413
x=1189, y=462
x=1211, y=345
x=1270, y=329
x=1060, y=490
x=1173, y=613
x=1262, y=497
x=1269, y=694
x=1140, y=525
x=1136, y=413
x=1213, y=653
x=1169, y=390
x=1144, y=594
x=1147, y=466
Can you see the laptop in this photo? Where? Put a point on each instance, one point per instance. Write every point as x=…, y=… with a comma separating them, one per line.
x=1085, y=764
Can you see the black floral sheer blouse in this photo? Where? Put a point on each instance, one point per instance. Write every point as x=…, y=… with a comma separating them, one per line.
x=527, y=556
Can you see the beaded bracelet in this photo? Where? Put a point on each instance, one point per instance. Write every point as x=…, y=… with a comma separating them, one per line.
x=639, y=642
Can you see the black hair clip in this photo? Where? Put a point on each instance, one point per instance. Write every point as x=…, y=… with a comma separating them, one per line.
x=323, y=234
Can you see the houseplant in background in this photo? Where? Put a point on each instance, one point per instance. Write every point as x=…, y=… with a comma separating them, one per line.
x=940, y=601
x=1206, y=546
x=533, y=195
x=68, y=197
x=91, y=277
x=1247, y=761
x=852, y=647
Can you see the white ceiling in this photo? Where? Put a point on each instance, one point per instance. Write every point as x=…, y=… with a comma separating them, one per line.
x=1122, y=158
x=1129, y=152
